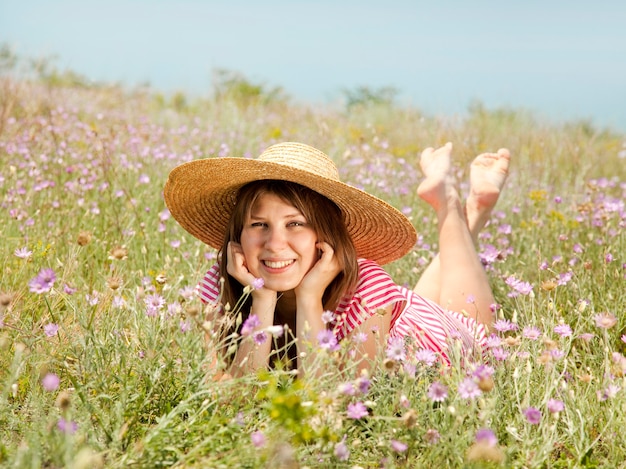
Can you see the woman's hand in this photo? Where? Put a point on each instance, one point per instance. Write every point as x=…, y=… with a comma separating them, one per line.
x=237, y=267
x=321, y=274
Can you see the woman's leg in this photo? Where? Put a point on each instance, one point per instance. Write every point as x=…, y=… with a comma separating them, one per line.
x=456, y=274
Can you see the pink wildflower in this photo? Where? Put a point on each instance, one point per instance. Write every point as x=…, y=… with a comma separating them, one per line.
x=356, y=410
x=398, y=446
x=437, y=392
x=564, y=330
x=327, y=340
x=50, y=329
x=258, y=439
x=468, y=389
x=533, y=415
x=50, y=382
x=43, y=282
x=605, y=320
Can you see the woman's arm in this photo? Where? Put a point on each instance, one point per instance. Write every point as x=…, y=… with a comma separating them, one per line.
x=251, y=356
x=309, y=293
x=376, y=329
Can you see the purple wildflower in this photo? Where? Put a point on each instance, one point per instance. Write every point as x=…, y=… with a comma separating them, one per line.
x=50, y=382
x=363, y=384
x=493, y=341
x=483, y=372
x=259, y=337
x=531, y=333
x=437, y=392
x=487, y=437
x=426, y=356
x=23, y=253
x=185, y=326
x=327, y=340
x=258, y=283
x=347, y=389
x=468, y=389
x=533, y=415
x=564, y=278
x=564, y=330
x=518, y=286
x=328, y=317
x=586, y=336
x=187, y=292
x=68, y=427
x=250, y=324
x=499, y=354
x=608, y=393
x=258, y=439
x=356, y=410
x=43, y=282
x=359, y=337
x=154, y=303
x=50, y=329
x=504, y=325
x=605, y=320
x=341, y=450
x=398, y=446
x=555, y=405
x=395, y=349
x=432, y=436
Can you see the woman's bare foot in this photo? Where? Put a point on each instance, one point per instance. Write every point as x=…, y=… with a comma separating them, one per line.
x=438, y=186
x=488, y=173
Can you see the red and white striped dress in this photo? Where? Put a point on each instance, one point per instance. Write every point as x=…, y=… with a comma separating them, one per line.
x=428, y=324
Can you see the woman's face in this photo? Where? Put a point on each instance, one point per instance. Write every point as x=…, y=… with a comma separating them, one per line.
x=278, y=243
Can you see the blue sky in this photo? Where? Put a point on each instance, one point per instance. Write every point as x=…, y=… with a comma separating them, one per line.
x=560, y=59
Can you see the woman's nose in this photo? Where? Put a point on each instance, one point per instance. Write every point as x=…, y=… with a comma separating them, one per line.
x=276, y=239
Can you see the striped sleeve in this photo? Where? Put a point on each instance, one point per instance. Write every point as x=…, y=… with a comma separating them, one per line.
x=375, y=291
x=435, y=328
x=209, y=287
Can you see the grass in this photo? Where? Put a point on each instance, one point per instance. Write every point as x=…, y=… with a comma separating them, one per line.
x=108, y=367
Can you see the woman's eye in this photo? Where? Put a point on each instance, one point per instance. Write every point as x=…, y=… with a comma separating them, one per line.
x=258, y=224
x=297, y=223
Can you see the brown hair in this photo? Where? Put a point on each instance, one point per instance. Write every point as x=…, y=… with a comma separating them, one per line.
x=325, y=218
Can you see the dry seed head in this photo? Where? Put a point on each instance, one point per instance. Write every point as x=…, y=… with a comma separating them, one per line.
x=410, y=418
x=5, y=300
x=550, y=344
x=390, y=365
x=114, y=283
x=86, y=458
x=192, y=311
x=84, y=238
x=484, y=452
x=512, y=341
x=544, y=358
x=119, y=253
x=486, y=384
x=63, y=401
x=4, y=341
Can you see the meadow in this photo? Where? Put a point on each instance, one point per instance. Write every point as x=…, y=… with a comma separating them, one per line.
x=103, y=359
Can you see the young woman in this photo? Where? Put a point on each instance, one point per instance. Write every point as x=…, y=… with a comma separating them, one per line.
x=311, y=244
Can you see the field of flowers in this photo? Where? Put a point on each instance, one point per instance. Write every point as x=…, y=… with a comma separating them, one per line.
x=102, y=355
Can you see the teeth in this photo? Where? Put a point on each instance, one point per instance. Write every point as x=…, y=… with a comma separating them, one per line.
x=278, y=264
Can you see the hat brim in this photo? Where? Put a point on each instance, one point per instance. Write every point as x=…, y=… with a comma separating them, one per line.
x=201, y=195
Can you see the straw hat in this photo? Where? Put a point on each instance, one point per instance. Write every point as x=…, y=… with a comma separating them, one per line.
x=201, y=195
